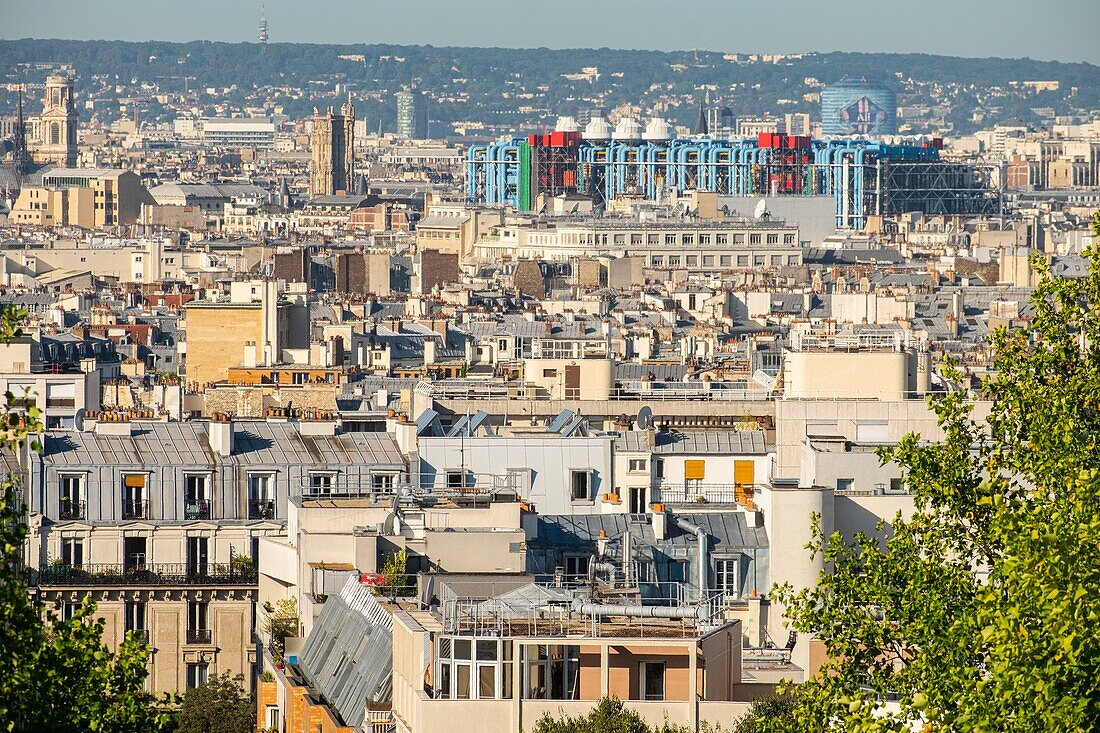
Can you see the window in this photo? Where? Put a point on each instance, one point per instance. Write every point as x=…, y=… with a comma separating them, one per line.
x=620, y=239
x=261, y=496
x=725, y=260
x=320, y=483
x=198, y=616
x=576, y=567
x=135, y=615
x=658, y=261
x=638, y=499
x=637, y=465
x=742, y=260
x=653, y=239
x=674, y=261
x=689, y=239
x=754, y=239
x=196, y=675
x=551, y=672
x=72, y=551
x=773, y=239
x=658, y=468
x=68, y=610
x=792, y=260
x=721, y=238
x=198, y=556
x=777, y=260
x=456, y=480
x=704, y=239
x=670, y=239
x=708, y=260
x=788, y=239
x=272, y=716
x=728, y=576
x=635, y=238
x=653, y=680
x=692, y=260
x=549, y=373
x=196, y=500
x=897, y=485
x=845, y=484
x=72, y=496
x=381, y=482
x=580, y=485
x=134, y=505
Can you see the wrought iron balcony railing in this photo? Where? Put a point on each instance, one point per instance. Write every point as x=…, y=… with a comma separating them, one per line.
x=162, y=574
x=72, y=510
x=198, y=636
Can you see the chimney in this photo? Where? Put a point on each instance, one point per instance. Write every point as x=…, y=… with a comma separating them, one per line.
x=429, y=351
x=249, y=355
x=660, y=523
x=404, y=431
x=220, y=433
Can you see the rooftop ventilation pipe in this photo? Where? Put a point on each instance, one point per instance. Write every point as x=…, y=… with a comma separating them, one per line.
x=634, y=610
x=703, y=560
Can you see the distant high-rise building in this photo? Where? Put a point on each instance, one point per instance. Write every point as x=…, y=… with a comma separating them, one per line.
x=721, y=122
x=59, y=121
x=332, y=147
x=261, y=34
x=797, y=123
x=858, y=107
x=412, y=115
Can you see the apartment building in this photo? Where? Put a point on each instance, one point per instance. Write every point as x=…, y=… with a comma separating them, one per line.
x=82, y=197
x=701, y=245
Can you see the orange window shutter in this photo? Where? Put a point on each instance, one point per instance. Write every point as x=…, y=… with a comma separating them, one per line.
x=744, y=473
x=134, y=481
x=693, y=469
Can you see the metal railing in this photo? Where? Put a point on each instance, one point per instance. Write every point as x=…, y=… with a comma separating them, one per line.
x=135, y=509
x=236, y=573
x=196, y=510
x=705, y=493
x=626, y=390
x=141, y=635
x=441, y=484
x=258, y=509
x=72, y=510
x=199, y=636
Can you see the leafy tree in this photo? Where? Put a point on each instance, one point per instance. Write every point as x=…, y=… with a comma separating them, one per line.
x=219, y=706
x=56, y=675
x=609, y=716
x=395, y=580
x=282, y=621
x=981, y=612
x=767, y=711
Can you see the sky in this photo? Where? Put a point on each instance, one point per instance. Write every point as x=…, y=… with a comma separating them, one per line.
x=1062, y=30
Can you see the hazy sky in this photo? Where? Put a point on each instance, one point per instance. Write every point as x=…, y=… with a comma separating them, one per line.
x=1064, y=30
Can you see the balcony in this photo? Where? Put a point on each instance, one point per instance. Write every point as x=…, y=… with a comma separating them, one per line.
x=259, y=509
x=199, y=636
x=727, y=494
x=141, y=635
x=196, y=510
x=164, y=574
x=71, y=510
x=135, y=509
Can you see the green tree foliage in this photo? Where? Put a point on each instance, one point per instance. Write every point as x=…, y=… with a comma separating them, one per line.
x=767, y=711
x=281, y=621
x=395, y=580
x=611, y=716
x=981, y=612
x=56, y=675
x=219, y=706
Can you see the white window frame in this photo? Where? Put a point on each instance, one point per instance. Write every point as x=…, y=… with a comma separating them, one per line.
x=587, y=473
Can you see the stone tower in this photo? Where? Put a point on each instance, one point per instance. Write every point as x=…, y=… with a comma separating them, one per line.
x=332, y=149
x=58, y=123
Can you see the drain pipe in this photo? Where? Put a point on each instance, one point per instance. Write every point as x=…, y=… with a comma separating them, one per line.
x=703, y=558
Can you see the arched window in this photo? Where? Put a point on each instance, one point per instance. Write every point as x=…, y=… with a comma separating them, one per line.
x=55, y=133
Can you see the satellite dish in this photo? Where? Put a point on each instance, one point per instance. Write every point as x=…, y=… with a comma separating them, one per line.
x=761, y=209
x=645, y=418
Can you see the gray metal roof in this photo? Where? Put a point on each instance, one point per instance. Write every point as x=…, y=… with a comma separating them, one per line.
x=186, y=443
x=347, y=657
x=726, y=530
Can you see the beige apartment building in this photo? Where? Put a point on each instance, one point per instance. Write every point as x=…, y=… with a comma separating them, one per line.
x=250, y=327
x=89, y=198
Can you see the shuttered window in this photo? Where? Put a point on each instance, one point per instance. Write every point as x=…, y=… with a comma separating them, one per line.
x=693, y=469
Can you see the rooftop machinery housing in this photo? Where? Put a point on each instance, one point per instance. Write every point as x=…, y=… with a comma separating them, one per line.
x=866, y=177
